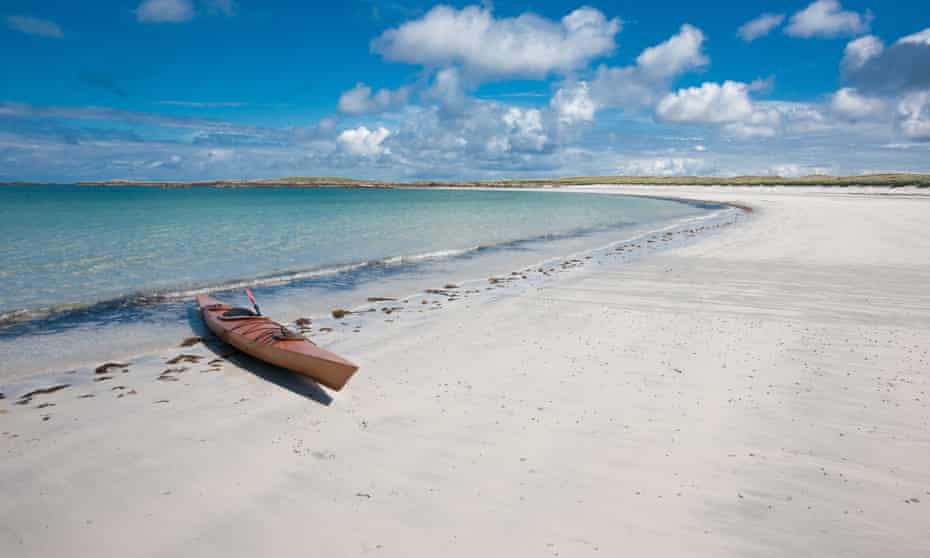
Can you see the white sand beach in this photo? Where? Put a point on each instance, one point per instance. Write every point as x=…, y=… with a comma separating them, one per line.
x=764, y=391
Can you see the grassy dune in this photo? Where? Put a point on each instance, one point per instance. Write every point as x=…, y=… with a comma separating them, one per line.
x=893, y=180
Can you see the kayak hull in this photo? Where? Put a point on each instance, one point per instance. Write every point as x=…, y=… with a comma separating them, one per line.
x=260, y=337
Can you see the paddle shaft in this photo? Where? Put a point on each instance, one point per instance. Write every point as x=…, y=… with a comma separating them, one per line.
x=248, y=293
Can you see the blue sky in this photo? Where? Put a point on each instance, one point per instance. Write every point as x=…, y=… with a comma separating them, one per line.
x=192, y=89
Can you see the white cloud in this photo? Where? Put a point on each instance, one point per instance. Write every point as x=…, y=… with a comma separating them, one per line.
x=760, y=123
x=448, y=90
x=527, y=45
x=572, y=104
x=902, y=67
x=710, y=103
x=798, y=118
x=641, y=85
x=729, y=106
x=760, y=26
x=525, y=127
x=914, y=116
x=34, y=26
x=365, y=142
x=849, y=104
x=826, y=18
x=860, y=51
x=919, y=38
x=664, y=166
x=165, y=11
x=679, y=53
x=360, y=99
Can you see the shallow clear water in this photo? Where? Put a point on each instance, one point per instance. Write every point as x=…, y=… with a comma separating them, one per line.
x=71, y=245
x=91, y=271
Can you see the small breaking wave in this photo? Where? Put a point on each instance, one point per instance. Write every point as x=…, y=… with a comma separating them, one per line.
x=171, y=303
x=178, y=294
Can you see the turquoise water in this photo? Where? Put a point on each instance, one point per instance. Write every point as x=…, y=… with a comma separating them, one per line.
x=68, y=246
x=89, y=273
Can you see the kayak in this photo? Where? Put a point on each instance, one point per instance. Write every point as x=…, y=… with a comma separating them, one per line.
x=266, y=340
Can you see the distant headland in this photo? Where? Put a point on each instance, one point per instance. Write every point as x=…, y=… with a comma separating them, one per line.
x=892, y=180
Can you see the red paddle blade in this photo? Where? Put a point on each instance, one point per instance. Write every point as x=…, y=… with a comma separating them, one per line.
x=248, y=293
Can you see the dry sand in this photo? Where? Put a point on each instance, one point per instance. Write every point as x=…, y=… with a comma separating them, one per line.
x=763, y=392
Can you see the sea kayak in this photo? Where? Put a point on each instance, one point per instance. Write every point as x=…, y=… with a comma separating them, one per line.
x=266, y=340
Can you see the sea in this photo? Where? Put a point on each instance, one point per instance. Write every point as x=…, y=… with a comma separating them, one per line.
x=89, y=273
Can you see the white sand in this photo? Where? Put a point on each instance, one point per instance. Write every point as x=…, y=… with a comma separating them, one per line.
x=763, y=392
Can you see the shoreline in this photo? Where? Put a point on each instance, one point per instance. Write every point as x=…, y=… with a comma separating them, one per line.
x=737, y=387
x=531, y=274
x=13, y=317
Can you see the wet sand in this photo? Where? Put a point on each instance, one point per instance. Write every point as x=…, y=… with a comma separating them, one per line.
x=760, y=392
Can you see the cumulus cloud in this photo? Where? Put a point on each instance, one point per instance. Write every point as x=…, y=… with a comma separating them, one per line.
x=360, y=99
x=902, y=67
x=914, y=116
x=729, y=106
x=762, y=122
x=640, y=85
x=860, y=51
x=826, y=18
x=165, y=11
x=45, y=143
x=448, y=89
x=665, y=166
x=679, y=53
x=919, y=38
x=572, y=104
x=849, y=104
x=34, y=26
x=760, y=26
x=482, y=45
x=525, y=129
x=364, y=142
x=710, y=103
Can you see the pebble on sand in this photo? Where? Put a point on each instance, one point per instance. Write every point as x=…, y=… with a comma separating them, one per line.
x=191, y=341
x=108, y=367
x=184, y=358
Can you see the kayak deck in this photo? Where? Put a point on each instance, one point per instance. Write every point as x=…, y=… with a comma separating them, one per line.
x=267, y=340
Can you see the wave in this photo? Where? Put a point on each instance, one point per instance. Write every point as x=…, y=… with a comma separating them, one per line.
x=78, y=311
x=176, y=294
x=144, y=305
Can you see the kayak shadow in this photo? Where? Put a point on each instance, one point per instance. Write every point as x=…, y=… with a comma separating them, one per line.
x=295, y=383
